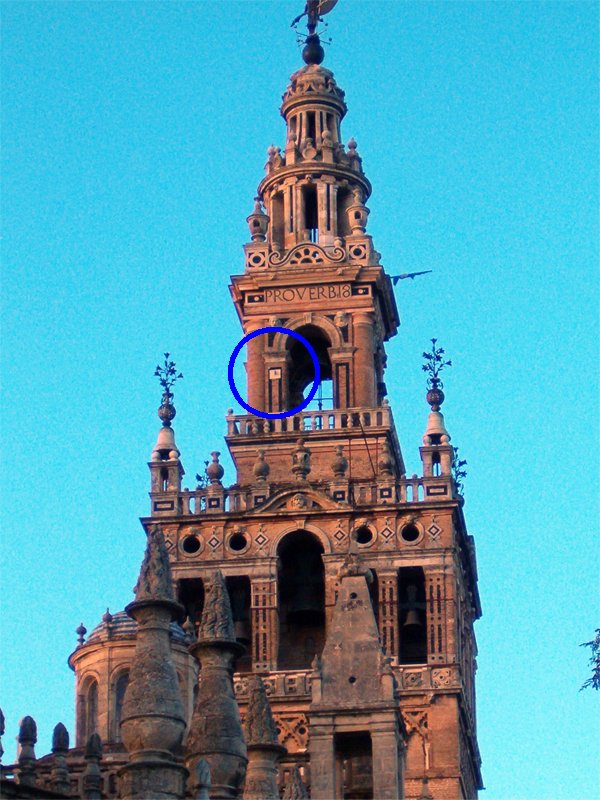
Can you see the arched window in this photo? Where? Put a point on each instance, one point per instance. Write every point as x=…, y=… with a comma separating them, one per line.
x=413, y=616
x=89, y=710
x=302, y=371
x=119, y=695
x=301, y=591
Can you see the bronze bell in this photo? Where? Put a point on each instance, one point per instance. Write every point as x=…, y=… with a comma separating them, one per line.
x=305, y=605
x=413, y=620
x=242, y=631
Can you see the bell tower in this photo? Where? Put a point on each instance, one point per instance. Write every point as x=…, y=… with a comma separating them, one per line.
x=353, y=587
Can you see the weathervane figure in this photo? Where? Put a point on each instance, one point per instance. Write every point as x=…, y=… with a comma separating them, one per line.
x=313, y=11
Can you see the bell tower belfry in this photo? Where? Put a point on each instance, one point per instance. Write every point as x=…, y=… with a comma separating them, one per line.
x=353, y=587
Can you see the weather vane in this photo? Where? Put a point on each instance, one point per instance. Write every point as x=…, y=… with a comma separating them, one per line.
x=314, y=10
x=167, y=377
x=434, y=364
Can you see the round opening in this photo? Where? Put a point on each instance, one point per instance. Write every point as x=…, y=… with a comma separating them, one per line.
x=238, y=542
x=301, y=730
x=351, y=679
x=353, y=595
x=191, y=544
x=410, y=533
x=364, y=535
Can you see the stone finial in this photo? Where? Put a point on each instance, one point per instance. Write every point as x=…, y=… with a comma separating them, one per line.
x=294, y=786
x=92, y=777
x=1, y=733
x=60, y=739
x=167, y=377
x=261, y=469
x=301, y=460
x=214, y=470
x=340, y=462
x=81, y=632
x=217, y=620
x=61, y=781
x=203, y=782
x=26, y=759
x=189, y=629
x=260, y=725
x=154, y=581
x=107, y=617
x=258, y=222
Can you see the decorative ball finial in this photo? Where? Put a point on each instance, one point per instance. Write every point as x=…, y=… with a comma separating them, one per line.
x=81, y=632
x=167, y=377
x=261, y=469
x=434, y=364
x=214, y=470
x=312, y=52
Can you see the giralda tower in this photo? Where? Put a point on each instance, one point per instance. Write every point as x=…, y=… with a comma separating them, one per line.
x=353, y=587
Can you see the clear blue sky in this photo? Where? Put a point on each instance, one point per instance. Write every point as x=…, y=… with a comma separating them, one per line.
x=134, y=135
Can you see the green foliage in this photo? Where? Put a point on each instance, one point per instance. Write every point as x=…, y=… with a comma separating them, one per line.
x=594, y=662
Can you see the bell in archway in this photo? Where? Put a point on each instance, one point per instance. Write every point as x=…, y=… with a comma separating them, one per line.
x=413, y=620
x=305, y=606
x=242, y=631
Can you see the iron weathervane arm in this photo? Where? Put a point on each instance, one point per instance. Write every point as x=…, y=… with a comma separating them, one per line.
x=412, y=275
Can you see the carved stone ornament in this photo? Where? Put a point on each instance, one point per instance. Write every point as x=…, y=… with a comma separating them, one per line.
x=154, y=581
x=294, y=786
x=217, y=622
x=260, y=725
x=60, y=739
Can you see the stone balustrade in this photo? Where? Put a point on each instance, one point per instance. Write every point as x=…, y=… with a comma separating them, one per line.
x=311, y=422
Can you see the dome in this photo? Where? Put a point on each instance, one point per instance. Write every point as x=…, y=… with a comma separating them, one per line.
x=123, y=627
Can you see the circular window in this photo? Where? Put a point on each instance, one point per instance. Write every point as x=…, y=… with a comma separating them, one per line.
x=353, y=595
x=191, y=544
x=364, y=535
x=410, y=533
x=351, y=679
x=238, y=542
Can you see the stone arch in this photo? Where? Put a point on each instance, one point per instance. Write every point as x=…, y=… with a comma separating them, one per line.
x=118, y=687
x=319, y=533
x=300, y=598
x=318, y=321
x=87, y=706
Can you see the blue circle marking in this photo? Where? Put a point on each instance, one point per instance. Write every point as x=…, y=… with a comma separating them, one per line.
x=294, y=335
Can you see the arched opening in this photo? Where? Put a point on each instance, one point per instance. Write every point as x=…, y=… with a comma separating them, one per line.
x=345, y=199
x=302, y=372
x=190, y=593
x=301, y=591
x=412, y=616
x=436, y=467
x=238, y=587
x=354, y=761
x=89, y=710
x=311, y=212
x=277, y=219
x=119, y=697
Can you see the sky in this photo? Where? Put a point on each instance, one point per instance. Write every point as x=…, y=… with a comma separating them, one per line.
x=134, y=136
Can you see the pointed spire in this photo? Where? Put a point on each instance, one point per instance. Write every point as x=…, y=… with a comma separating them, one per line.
x=294, y=786
x=60, y=739
x=61, y=781
x=260, y=725
x=26, y=759
x=92, y=777
x=154, y=581
x=217, y=621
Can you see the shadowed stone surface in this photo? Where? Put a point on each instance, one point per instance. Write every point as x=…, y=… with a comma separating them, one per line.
x=216, y=730
x=294, y=787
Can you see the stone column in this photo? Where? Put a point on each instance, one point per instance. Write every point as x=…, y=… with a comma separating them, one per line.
x=255, y=369
x=215, y=729
x=264, y=750
x=27, y=763
x=364, y=361
x=265, y=623
x=92, y=777
x=388, y=612
x=60, y=771
x=387, y=764
x=323, y=773
x=153, y=720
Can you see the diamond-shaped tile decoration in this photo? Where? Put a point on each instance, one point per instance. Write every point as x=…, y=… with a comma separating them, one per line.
x=434, y=530
x=169, y=545
x=339, y=535
x=213, y=542
x=261, y=540
x=387, y=534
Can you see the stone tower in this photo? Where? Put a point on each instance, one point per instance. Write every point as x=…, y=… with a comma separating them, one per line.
x=321, y=520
